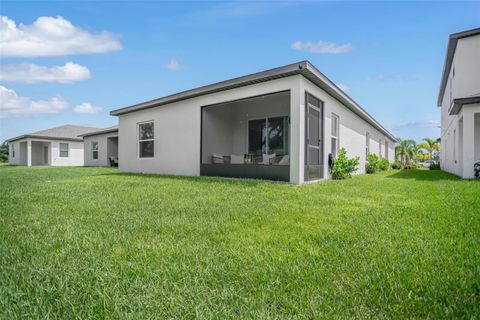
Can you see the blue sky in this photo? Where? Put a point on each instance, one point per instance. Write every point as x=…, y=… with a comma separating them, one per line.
x=388, y=55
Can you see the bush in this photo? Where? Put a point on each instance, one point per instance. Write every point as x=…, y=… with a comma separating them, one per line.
x=383, y=164
x=396, y=165
x=344, y=167
x=372, y=164
x=435, y=166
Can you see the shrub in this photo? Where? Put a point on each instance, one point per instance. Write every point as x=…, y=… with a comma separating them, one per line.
x=344, y=167
x=383, y=164
x=396, y=165
x=372, y=163
x=435, y=166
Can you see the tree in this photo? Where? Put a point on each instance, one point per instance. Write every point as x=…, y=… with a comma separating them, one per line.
x=4, y=152
x=430, y=145
x=405, y=150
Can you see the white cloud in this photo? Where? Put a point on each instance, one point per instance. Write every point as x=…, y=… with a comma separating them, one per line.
x=87, y=108
x=52, y=36
x=381, y=78
x=343, y=87
x=418, y=125
x=32, y=73
x=173, y=64
x=13, y=105
x=322, y=47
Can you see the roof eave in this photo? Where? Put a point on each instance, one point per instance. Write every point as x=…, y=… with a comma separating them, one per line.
x=304, y=68
x=459, y=103
x=451, y=47
x=32, y=136
x=97, y=133
x=263, y=76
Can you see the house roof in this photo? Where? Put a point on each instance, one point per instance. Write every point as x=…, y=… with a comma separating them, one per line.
x=458, y=103
x=304, y=68
x=100, y=131
x=452, y=45
x=66, y=132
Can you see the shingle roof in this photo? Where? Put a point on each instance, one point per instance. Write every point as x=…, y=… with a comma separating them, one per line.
x=66, y=132
x=100, y=131
x=304, y=68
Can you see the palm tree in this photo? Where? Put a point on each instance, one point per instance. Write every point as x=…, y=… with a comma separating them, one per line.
x=405, y=150
x=430, y=145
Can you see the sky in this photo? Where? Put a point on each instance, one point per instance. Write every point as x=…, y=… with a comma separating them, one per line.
x=69, y=62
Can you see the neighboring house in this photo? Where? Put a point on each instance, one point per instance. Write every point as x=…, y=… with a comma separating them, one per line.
x=58, y=146
x=278, y=124
x=459, y=98
x=100, y=146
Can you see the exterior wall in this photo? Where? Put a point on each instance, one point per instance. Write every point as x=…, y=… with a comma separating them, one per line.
x=17, y=158
x=352, y=132
x=177, y=130
x=477, y=137
x=105, y=147
x=457, y=149
x=35, y=148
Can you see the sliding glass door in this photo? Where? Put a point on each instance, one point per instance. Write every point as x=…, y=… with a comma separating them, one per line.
x=268, y=136
x=313, y=138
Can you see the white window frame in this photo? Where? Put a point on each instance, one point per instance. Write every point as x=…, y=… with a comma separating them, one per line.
x=335, y=135
x=145, y=140
x=386, y=149
x=93, y=150
x=13, y=150
x=60, y=149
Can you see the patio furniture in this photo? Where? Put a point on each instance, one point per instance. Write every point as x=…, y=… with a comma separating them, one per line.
x=113, y=162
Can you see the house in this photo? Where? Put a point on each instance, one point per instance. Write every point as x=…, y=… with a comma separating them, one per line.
x=101, y=146
x=459, y=98
x=279, y=124
x=58, y=146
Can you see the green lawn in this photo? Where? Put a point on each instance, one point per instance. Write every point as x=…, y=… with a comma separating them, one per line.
x=92, y=243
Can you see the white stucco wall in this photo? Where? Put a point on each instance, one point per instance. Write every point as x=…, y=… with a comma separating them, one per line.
x=106, y=149
x=178, y=133
x=75, y=156
x=457, y=131
x=177, y=130
x=353, y=129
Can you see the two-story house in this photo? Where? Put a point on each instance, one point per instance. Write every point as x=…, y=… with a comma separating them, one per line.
x=459, y=98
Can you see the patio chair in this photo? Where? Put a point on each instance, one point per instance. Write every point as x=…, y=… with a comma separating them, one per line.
x=113, y=163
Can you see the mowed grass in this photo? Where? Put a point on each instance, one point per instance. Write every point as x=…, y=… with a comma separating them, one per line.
x=90, y=243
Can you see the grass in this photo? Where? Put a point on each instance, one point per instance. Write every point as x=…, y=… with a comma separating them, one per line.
x=89, y=243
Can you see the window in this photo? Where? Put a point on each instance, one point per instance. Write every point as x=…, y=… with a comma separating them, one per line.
x=380, y=148
x=335, y=132
x=367, y=144
x=94, y=150
x=268, y=136
x=64, y=150
x=145, y=140
x=386, y=149
x=13, y=150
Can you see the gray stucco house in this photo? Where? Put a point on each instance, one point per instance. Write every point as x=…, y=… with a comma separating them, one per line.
x=278, y=124
x=59, y=146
